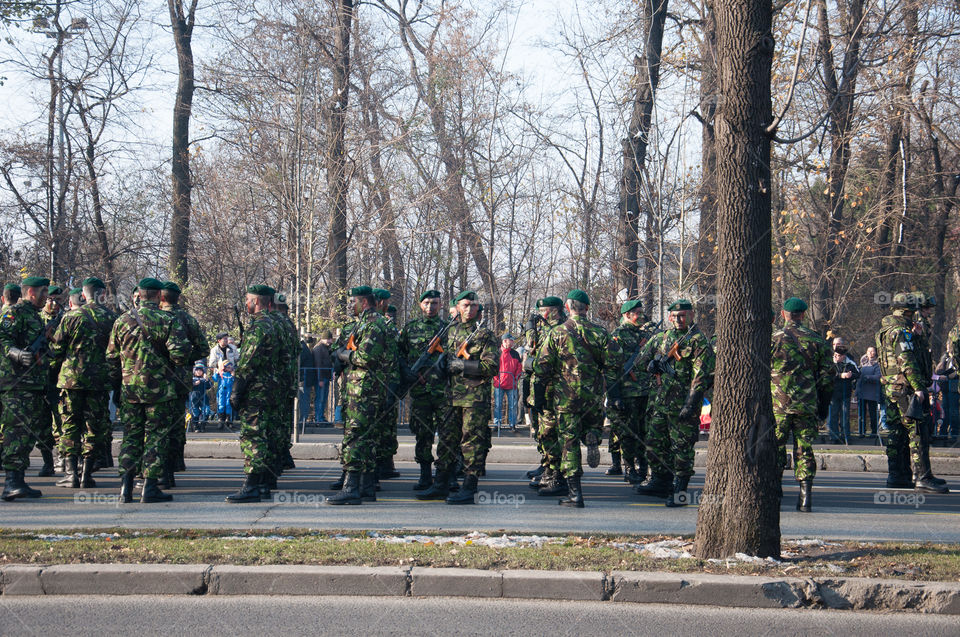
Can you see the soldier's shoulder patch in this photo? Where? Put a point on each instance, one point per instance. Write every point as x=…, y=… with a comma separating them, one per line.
x=7, y=320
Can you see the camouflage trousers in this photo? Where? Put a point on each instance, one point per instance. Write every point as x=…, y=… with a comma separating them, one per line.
x=53, y=426
x=21, y=424
x=258, y=438
x=146, y=436
x=669, y=440
x=361, y=433
x=387, y=443
x=463, y=430
x=86, y=421
x=178, y=428
x=906, y=435
x=426, y=413
x=572, y=427
x=628, y=430
x=804, y=430
x=548, y=436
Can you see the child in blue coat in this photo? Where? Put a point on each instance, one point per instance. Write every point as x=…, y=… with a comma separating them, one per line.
x=224, y=388
x=198, y=397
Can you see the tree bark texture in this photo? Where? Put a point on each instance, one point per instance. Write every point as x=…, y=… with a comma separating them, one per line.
x=740, y=507
x=337, y=181
x=182, y=21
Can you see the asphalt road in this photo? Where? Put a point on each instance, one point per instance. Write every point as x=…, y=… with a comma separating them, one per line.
x=847, y=505
x=262, y=616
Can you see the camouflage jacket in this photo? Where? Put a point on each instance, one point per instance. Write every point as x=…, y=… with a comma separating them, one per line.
x=289, y=355
x=20, y=326
x=466, y=391
x=149, y=346
x=901, y=366
x=414, y=338
x=692, y=373
x=199, y=349
x=532, y=340
x=393, y=351
x=922, y=347
x=801, y=369
x=369, y=369
x=258, y=369
x=80, y=344
x=574, y=360
x=624, y=341
x=953, y=346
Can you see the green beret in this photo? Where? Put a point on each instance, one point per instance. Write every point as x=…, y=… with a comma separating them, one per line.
x=54, y=289
x=793, y=304
x=466, y=294
x=430, y=294
x=11, y=287
x=76, y=291
x=150, y=283
x=631, y=305
x=392, y=309
x=679, y=305
x=381, y=294
x=579, y=295
x=171, y=286
x=35, y=282
x=93, y=282
x=361, y=290
x=261, y=289
x=550, y=301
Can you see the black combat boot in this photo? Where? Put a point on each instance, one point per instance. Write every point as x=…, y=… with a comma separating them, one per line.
x=47, y=469
x=387, y=470
x=439, y=490
x=574, y=493
x=368, y=486
x=168, y=480
x=679, y=497
x=552, y=483
x=632, y=476
x=592, y=441
x=14, y=487
x=805, y=499
x=426, y=477
x=452, y=485
x=249, y=492
x=221, y=421
x=86, y=475
x=336, y=486
x=536, y=473
x=71, y=480
x=466, y=493
x=615, y=469
x=126, y=487
x=107, y=460
x=152, y=493
x=923, y=476
x=658, y=485
x=925, y=461
x=538, y=479
x=350, y=493
x=288, y=462
x=61, y=462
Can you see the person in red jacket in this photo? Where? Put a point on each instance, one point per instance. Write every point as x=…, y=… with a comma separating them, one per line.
x=506, y=382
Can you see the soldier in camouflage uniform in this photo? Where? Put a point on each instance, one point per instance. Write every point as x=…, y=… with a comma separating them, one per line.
x=387, y=421
x=428, y=398
x=11, y=294
x=80, y=346
x=628, y=390
x=904, y=379
x=574, y=359
x=801, y=383
x=681, y=361
x=50, y=314
x=258, y=377
x=147, y=348
x=199, y=348
x=290, y=355
x=365, y=360
x=471, y=360
x=536, y=331
x=24, y=374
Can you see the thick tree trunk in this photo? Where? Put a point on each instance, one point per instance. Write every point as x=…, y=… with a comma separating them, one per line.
x=706, y=267
x=337, y=182
x=182, y=23
x=103, y=244
x=646, y=77
x=740, y=507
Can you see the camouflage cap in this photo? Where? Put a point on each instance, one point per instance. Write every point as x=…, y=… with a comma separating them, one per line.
x=170, y=286
x=903, y=300
x=550, y=301
x=150, y=283
x=466, y=294
x=261, y=289
x=93, y=282
x=794, y=304
x=635, y=304
x=381, y=294
x=361, y=290
x=35, y=282
x=579, y=295
x=430, y=294
x=679, y=305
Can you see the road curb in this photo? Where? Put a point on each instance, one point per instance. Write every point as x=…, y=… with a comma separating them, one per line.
x=740, y=591
x=527, y=454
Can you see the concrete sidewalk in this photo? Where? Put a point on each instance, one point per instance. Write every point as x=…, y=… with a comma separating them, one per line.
x=618, y=586
x=527, y=455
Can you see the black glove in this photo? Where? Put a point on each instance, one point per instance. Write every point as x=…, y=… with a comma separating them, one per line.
x=691, y=408
x=239, y=394
x=455, y=365
x=531, y=323
x=539, y=398
x=22, y=356
x=344, y=355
